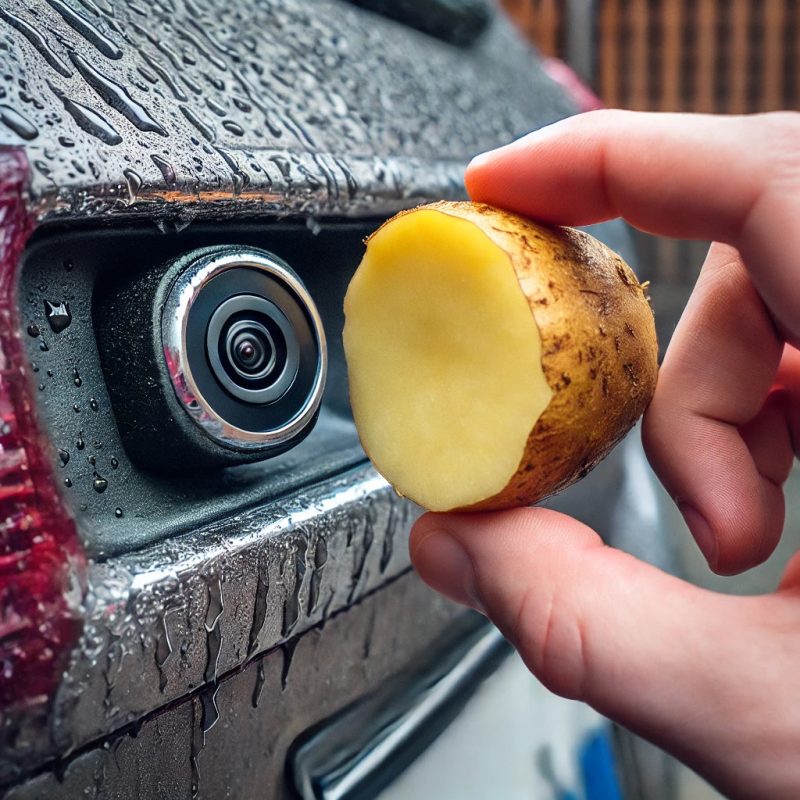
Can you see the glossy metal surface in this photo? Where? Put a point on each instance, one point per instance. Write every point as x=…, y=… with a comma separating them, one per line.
x=179, y=109
x=174, y=321
x=229, y=740
x=361, y=750
x=167, y=619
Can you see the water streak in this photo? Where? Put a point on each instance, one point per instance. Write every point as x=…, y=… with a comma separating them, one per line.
x=37, y=41
x=87, y=30
x=116, y=96
x=318, y=565
x=287, y=649
x=260, y=605
x=88, y=119
x=214, y=611
x=259, y=687
x=163, y=651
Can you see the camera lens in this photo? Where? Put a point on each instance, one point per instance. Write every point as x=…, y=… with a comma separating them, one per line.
x=244, y=349
x=250, y=349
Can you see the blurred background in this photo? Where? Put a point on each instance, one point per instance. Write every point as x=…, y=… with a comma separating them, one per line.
x=705, y=56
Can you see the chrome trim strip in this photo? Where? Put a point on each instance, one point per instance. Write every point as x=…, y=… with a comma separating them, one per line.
x=167, y=619
x=359, y=751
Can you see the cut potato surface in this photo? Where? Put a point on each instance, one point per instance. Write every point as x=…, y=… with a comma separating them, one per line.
x=445, y=360
x=488, y=357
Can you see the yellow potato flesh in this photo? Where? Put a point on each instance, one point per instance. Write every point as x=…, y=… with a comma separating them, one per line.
x=444, y=360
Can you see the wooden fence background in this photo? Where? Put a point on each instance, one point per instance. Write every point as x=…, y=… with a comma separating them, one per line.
x=730, y=56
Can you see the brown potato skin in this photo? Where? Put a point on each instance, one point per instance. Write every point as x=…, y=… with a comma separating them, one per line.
x=599, y=348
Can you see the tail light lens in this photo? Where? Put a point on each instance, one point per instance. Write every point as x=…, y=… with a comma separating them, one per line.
x=42, y=568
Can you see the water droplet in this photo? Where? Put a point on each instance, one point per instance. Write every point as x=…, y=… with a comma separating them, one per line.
x=134, y=182
x=99, y=484
x=49, y=373
x=68, y=265
x=34, y=366
x=80, y=444
x=76, y=378
x=119, y=514
x=18, y=124
x=216, y=107
x=68, y=483
x=206, y=132
x=92, y=460
x=93, y=404
x=283, y=165
x=89, y=32
x=88, y=119
x=114, y=463
x=167, y=170
x=165, y=76
x=42, y=167
x=41, y=387
x=233, y=128
x=43, y=346
x=116, y=96
x=33, y=330
x=65, y=141
x=58, y=315
x=64, y=457
x=76, y=408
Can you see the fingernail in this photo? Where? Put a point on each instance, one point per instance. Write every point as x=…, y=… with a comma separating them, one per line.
x=445, y=565
x=481, y=160
x=702, y=533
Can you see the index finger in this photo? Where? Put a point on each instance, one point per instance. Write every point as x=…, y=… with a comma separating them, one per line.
x=729, y=179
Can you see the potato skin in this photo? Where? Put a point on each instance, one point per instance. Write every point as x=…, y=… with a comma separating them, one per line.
x=599, y=348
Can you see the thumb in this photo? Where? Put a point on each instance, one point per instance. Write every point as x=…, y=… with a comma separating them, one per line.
x=595, y=624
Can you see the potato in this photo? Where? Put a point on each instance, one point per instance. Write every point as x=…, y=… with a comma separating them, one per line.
x=492, y=361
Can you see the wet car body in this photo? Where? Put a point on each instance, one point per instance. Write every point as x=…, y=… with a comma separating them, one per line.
x=207, y=620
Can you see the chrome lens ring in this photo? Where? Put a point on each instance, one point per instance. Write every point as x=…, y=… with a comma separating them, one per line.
x=273, y=409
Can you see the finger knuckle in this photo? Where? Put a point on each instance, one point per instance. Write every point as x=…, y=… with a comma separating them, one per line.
x=552, y=645
x=780, y=135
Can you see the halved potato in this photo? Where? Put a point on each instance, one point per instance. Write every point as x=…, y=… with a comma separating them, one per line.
x=492, y=360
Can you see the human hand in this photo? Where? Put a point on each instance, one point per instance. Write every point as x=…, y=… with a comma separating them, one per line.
x=714, y=679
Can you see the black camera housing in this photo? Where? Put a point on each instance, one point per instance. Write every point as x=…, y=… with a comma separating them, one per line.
x=182, y=398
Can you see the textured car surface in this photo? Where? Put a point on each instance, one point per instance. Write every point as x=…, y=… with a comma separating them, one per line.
x=203, y=105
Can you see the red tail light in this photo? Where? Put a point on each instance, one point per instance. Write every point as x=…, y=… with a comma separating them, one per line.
x=42, y=565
